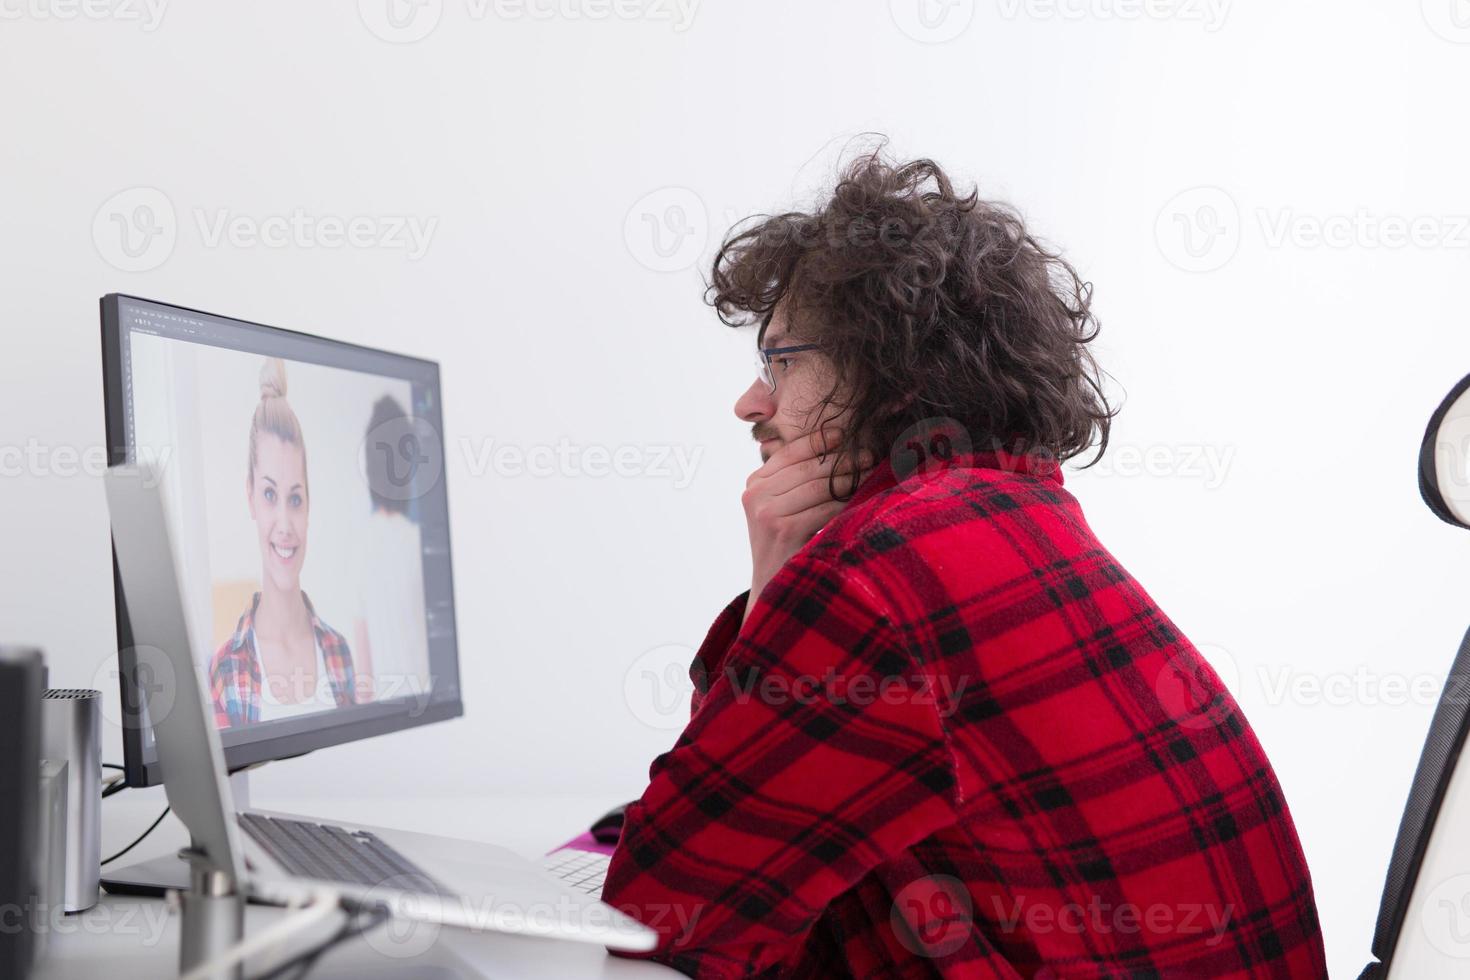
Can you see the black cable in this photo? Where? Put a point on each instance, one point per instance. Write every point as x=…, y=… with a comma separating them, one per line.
x=116, y=788
x=135, y=843
x=359, y=920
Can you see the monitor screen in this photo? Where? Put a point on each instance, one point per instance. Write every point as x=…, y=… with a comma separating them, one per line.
x=305, y=491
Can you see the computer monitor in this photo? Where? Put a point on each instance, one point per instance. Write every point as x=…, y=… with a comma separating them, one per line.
x=305, y=489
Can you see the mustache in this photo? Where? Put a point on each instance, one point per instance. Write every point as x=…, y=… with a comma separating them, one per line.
x=760, y=432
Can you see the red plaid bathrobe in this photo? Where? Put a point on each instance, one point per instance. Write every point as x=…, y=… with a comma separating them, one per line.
x=956, y=738
x=235, y=671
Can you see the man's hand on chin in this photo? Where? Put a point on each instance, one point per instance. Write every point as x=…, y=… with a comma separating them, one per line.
x=789, y=499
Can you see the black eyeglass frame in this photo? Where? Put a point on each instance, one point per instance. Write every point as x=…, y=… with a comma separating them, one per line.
x=766, y=353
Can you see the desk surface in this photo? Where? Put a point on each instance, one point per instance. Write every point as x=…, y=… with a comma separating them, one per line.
x=123, y=938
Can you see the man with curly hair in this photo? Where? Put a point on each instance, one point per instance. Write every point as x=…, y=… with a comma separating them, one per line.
x=946, y=733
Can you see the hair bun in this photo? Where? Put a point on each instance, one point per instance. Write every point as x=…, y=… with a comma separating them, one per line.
x=273, y=378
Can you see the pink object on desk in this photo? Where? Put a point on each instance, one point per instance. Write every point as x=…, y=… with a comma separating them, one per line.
x=585, y=842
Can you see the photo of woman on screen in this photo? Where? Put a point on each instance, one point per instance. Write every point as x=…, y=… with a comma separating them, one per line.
x=282, y=659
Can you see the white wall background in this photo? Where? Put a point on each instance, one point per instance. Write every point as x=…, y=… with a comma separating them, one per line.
x=526, y=147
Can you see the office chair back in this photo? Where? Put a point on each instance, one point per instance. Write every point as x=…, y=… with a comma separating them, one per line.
x=1423, y=927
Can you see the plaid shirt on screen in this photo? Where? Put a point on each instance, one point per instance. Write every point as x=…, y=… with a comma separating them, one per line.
x=234, y=671
x=955, y=738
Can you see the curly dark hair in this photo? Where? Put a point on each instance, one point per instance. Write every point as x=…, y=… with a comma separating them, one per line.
x=930, y=305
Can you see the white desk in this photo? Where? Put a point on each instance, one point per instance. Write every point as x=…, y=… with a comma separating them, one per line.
x=126, y=938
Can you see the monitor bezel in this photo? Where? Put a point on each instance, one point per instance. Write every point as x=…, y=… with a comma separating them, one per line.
x=140, y=771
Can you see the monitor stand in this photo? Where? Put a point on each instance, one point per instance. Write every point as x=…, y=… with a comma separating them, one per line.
x=170, y=871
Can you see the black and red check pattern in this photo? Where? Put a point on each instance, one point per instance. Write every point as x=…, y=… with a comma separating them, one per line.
x=956, y=738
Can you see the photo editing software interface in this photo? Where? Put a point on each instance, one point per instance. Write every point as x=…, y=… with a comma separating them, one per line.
x=304, y=485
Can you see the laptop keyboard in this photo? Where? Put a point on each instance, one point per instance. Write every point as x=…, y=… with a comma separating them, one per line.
x=584, y=871
x=331, y=853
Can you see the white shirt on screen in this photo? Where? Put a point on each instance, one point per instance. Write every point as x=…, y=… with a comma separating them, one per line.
x=392, y=603
x=321, y=698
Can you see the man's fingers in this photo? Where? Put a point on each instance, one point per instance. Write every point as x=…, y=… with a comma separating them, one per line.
x=817, y=517
x=811, y=446
x=805, y=470
x=812, y=493
x=828, y=476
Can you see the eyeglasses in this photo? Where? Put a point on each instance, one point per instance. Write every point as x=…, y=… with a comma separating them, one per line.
x=767, y=356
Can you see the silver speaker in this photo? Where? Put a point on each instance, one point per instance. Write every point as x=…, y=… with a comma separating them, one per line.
x=71, y=731
x=51, y=853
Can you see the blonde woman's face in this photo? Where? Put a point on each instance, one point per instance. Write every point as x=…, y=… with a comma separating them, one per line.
x=280, y=508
